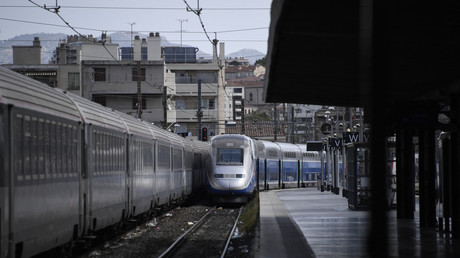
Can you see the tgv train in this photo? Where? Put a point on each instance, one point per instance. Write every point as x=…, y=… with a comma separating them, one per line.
x=241, y=165
x=286, y=165
x=70, y=167
x=232, y=177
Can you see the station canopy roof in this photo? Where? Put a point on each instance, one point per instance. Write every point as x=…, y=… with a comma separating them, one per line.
x=334, y=52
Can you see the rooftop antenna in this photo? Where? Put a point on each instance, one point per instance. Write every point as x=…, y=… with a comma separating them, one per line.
x=132, y=23
x=181, y=21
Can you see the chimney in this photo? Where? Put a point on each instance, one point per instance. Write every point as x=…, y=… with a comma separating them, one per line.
x=62, y=54
x=137, y=49
x=36, y=42
x=154, y=47
x=222, y=53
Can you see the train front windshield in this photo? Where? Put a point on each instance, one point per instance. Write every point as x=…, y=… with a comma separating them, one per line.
x=230, y=156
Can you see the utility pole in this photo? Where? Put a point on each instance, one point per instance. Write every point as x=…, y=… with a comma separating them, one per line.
x=139, y=91
x=275, y=117
x=165, y=107
x=242, y=117
x=181, y=21
x=199, y=113
x=292, y=124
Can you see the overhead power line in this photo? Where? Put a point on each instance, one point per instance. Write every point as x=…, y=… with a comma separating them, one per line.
x=143, y=8
x=138, y=31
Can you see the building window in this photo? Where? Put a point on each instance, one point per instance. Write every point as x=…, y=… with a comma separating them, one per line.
x=134, y=74
x=99, y=74
x=237, y=97
x=251, y=98
x=144, y=103
x=298, y=110
x=238, y=90
x=100, y=99
x=211, y=104
x=73, y=82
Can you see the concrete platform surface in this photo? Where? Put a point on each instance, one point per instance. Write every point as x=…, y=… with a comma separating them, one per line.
x=308, y=223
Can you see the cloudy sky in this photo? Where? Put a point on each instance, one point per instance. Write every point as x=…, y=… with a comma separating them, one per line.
x=238, y=23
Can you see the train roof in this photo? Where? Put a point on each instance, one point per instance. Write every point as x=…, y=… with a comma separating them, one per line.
x=288, y=147
x=230, y=136
x=134, y=125
x=96, y=114
x=21, y=91
x=158, y=133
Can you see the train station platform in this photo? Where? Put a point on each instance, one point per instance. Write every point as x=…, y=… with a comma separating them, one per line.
x=310, y=223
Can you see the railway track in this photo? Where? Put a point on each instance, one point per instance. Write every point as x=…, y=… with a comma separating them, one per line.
x=209, y=237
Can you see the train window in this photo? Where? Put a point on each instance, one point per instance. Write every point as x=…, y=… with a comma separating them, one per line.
x=59, y=149
x=64, y=150
x=26, y=147
x=177, y=162
x=19, y=143
x=163, y=157
x=53, y=149
x=40, y=149
x=47, y=147
x=148, y=156
x=231, y=156
x=33, y=148
x=272, y=153
x=96, y=151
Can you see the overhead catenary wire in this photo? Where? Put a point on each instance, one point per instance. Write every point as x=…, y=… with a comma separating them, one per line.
x=144, y=8
x=125, y=31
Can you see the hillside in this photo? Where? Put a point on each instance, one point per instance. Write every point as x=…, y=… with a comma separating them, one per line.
x=50, y=41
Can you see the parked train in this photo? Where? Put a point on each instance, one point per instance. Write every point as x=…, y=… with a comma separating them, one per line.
x=70, y=167
x=241, y=165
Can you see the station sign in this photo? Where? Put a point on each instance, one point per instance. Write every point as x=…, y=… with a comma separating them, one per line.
x=315, y=146
x=350, y=137
x=335, y=142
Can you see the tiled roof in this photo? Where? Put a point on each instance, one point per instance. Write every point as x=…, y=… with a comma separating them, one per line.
x=258, y=129
x=239, y=68
x=248, y=81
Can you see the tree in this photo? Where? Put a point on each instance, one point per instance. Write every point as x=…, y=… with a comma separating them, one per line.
x=260, y=62
x=258, y=116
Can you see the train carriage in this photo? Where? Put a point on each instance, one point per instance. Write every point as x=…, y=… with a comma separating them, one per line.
x=261, y=166
x=290, y=165
x=273, y=157
x=104, y=185
x=163, y=166
x=178, y=168
x=71, y=167
x=140, y=173
x=39, y=184
x=188, y=166
x=311, y=166
x=201, y=165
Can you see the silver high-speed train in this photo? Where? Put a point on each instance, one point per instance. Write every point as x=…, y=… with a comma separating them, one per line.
x=70, y=167
x=241, y=165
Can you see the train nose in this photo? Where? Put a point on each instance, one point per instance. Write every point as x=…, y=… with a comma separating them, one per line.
x=229, y=184
x=230, y=180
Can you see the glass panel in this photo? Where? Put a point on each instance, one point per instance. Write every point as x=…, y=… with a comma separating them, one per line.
x=230, y=156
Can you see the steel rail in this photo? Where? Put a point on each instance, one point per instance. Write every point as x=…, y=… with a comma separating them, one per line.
x=231, y=234
x=179, y=239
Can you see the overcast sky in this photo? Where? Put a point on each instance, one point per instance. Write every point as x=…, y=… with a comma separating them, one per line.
x=238, y=23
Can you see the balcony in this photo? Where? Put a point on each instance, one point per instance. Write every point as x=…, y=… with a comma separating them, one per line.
x=189, y=115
